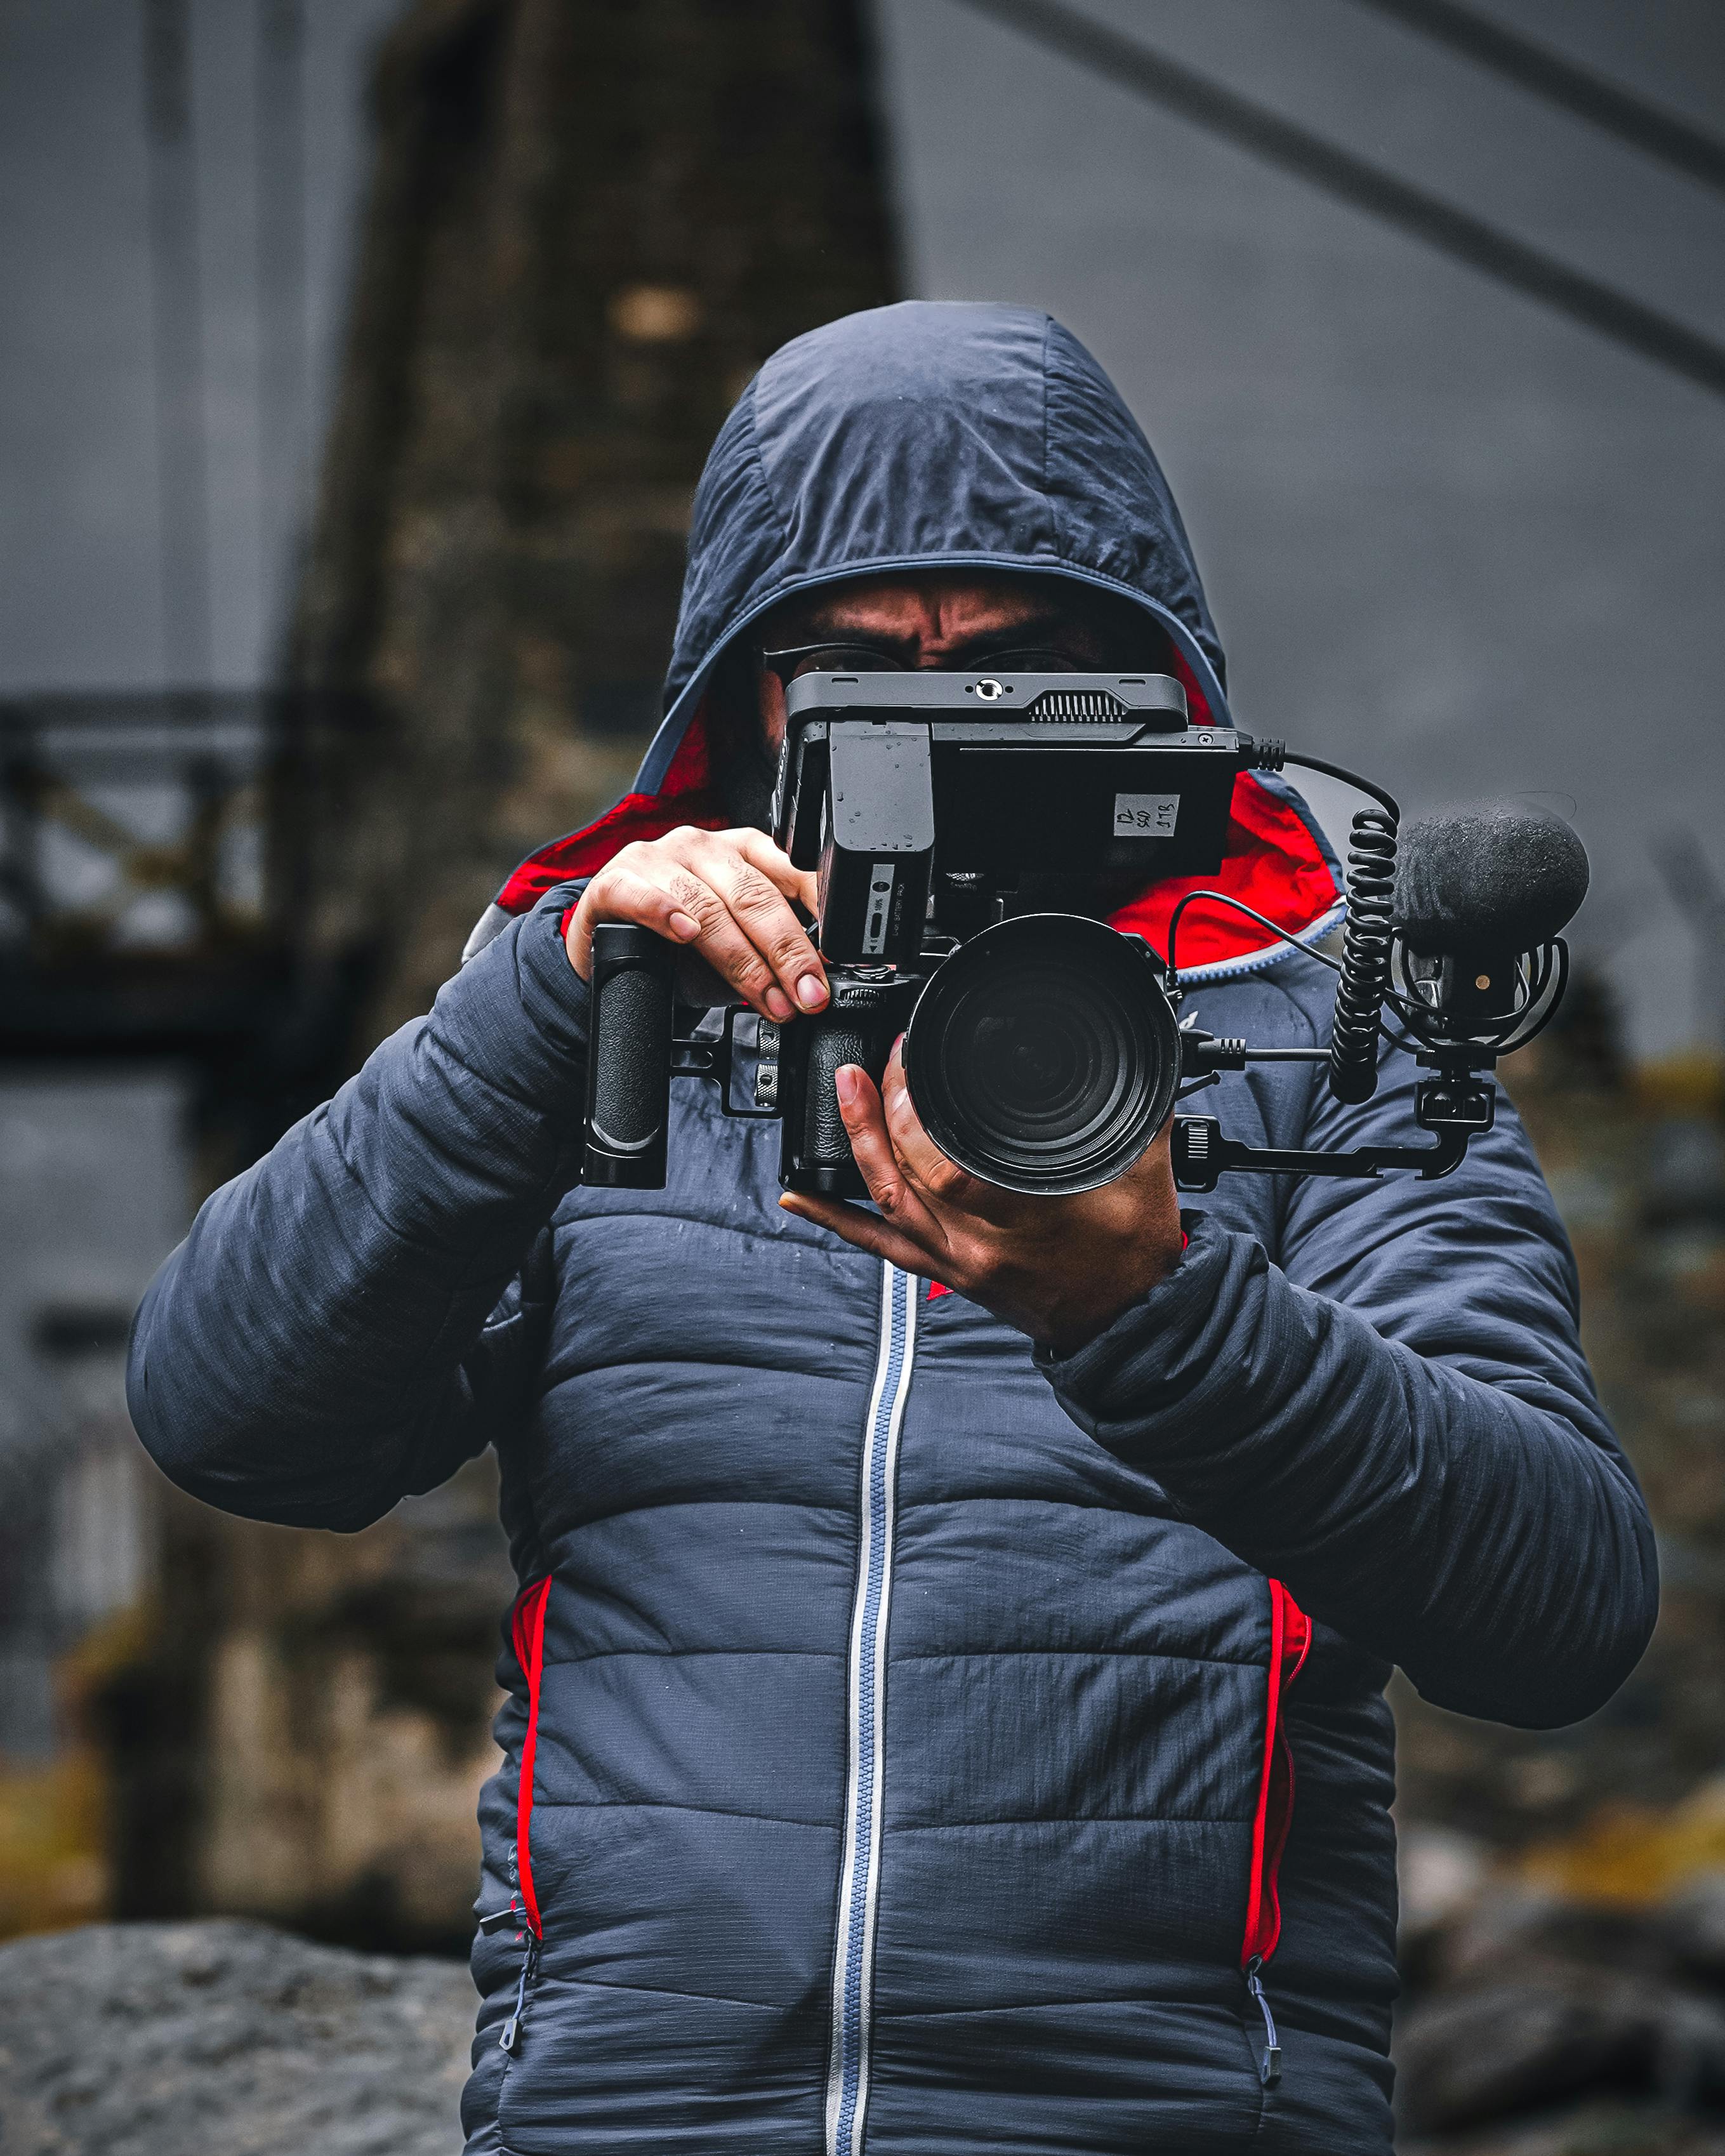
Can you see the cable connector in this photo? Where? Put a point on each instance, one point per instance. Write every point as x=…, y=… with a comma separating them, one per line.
x=1202, y=1054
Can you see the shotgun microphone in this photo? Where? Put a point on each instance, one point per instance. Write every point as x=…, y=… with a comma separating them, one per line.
x=1480, y=897
x=1500, y=876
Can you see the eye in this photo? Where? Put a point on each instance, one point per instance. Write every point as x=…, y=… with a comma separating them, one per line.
x=847, y=659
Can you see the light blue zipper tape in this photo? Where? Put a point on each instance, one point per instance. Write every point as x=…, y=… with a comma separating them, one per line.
x=853, y=1960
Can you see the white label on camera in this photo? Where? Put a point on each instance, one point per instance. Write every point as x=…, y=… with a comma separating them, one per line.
x=874, y=926
x=1146, y=815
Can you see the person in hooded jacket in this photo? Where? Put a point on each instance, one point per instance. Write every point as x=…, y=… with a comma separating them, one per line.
x=945, y=1702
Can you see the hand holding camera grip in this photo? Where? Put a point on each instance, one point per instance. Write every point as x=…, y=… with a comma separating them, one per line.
x=629, y=1058
x=859, y=1026
x=825, y=1142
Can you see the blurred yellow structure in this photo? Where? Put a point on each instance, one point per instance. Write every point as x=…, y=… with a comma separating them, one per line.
x=1633, y=1856
x=56, y=1825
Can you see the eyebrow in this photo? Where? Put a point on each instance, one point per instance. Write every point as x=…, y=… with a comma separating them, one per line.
x=1046, y=623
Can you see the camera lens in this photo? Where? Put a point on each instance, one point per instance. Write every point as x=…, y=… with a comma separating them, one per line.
x=1043, y=1055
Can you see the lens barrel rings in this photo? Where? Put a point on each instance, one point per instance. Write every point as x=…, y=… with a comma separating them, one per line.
x=1043, y=1055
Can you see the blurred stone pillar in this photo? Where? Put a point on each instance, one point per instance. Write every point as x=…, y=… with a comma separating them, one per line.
x=591, y=220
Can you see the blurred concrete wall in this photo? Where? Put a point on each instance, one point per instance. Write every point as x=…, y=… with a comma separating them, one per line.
x=1445, y=532
x=77, y=1545
x=80, y=530
x=1440, y=527
x=585, y=226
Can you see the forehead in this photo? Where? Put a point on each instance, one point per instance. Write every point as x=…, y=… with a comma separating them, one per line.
x=954, y=599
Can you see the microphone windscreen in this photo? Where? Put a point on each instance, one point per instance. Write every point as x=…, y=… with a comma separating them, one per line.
x=1503, y=876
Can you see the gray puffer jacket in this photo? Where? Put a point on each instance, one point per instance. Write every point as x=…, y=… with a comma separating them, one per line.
x=913, y=1745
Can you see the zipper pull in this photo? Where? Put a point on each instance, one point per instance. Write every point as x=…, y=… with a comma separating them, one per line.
x=530, y=1964
x=492, y=1920
x=1270, y=2065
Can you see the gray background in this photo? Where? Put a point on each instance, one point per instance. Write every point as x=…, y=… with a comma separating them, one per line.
x=79, y=529
x=1445, y=532
x=93, y=1181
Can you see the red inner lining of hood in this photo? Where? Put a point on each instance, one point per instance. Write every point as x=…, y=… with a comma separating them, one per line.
x=1271, y=862
x=687, y=796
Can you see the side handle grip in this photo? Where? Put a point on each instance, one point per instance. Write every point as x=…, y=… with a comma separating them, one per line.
x=628, y=1062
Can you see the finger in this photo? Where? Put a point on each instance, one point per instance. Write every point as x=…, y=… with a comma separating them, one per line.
x=922, y=1160
x=619, y=893
x=864, y=1231
x=649, y=884
x=871, y=1148
x=723, y=942
x=800, y=884
x=762, y=911
x=660, y=886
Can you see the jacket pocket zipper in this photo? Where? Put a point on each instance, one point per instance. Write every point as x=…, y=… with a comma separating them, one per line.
x=1270, y=2065
x=511, y=2034
x=514, y=1918
x=1289, y=1643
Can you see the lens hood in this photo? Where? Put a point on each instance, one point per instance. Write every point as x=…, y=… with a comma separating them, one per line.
x=1043, y=1055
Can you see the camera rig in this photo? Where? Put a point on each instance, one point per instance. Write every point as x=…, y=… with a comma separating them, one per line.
x=966, y=828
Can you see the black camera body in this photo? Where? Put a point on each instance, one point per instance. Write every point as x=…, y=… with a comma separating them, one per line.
x=969, y=832
x=939, y=811
x=923, y=798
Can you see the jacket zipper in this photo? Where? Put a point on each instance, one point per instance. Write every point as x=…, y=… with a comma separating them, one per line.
x=511, y=2034
x=854, y=1952
x=1289, y=1643
x=527, y=1637
x=1270, y=2065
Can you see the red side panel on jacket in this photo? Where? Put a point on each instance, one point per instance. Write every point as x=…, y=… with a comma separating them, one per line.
x=1289, y=1642
x=527, y=1637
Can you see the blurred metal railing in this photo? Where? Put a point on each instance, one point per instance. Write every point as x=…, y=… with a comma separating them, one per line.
x=149, y=849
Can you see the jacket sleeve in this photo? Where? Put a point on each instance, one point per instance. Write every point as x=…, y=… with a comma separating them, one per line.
x=1396, y=1419
x=340, y=1328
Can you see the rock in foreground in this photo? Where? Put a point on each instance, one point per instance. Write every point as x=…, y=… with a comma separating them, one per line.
x=226, y=2039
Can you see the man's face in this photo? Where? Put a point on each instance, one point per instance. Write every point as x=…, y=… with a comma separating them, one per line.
x=956, y=620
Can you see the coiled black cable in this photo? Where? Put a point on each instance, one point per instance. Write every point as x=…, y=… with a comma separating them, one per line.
x=1365, y=956
x=1367, y=937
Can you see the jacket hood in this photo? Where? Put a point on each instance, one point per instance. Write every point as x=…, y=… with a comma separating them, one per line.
x=941, y=434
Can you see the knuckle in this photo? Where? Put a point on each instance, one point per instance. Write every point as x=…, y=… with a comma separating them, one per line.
x=716, y=847
x=692, y=896
x=751, y=890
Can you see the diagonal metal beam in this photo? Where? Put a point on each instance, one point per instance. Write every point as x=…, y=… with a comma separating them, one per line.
x=1590, y=96
x=1130, y=65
